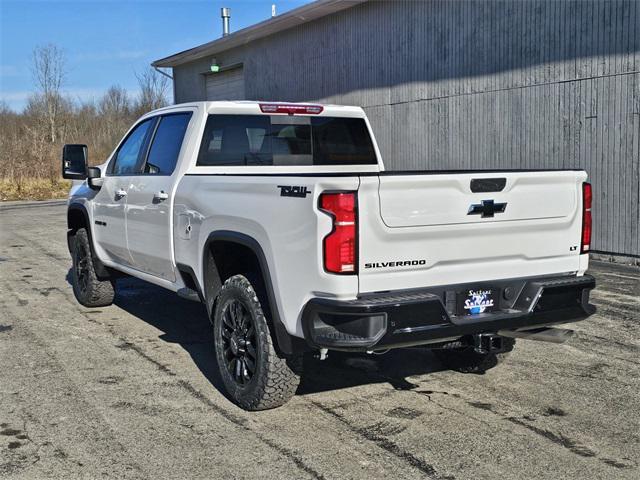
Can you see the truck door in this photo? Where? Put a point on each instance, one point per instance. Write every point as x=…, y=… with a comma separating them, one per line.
x=150, y=202
x=109, y=203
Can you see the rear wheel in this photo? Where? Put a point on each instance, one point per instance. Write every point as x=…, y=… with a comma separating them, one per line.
x=255, y=376
x=463, y=358
x=88, y=289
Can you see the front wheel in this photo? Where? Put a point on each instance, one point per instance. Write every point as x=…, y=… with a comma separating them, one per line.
x=254, y=375
x=88, y=289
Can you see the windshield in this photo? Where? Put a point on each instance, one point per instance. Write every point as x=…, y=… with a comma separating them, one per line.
x=285, y=140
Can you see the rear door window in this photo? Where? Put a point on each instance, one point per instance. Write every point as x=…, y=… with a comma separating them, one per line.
x=255, y=140
x=166, y=144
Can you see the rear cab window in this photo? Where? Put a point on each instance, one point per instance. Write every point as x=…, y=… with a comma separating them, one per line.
x=279, y=140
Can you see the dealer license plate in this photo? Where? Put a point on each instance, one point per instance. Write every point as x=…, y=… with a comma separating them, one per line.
x=477, y=300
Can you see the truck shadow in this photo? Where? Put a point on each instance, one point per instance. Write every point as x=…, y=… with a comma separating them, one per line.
x=185, y=323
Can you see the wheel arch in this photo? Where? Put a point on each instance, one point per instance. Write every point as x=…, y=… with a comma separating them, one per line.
x=77, y=218
x=214, y=275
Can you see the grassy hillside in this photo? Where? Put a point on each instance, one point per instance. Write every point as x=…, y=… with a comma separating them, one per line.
x=34, y=189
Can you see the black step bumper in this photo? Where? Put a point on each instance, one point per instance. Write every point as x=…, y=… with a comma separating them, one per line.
x=414, y=317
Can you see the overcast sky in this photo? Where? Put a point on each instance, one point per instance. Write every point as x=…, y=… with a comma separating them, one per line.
x=106, y=42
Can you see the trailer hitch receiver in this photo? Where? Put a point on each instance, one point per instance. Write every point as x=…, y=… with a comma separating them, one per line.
x=488, y=343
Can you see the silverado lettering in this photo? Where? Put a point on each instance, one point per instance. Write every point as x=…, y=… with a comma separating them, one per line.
x=399, y=263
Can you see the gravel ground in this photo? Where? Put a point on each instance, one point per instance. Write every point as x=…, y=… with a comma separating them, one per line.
x=131, y=391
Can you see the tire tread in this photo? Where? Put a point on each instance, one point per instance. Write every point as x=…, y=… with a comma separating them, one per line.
x=100, y=292
x=280, y=376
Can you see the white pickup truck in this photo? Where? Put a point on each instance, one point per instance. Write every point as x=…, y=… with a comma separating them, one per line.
x=282, y=220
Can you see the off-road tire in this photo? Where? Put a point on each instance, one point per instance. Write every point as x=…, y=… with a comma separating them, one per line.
x=275, y=378
x=87, y=288
x=463, y=358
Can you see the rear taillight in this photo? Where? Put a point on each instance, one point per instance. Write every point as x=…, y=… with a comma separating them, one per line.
x=586, y=218
x=339, y=247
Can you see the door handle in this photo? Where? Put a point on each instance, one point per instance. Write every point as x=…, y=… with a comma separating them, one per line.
x=161, y=195
x=120, y=194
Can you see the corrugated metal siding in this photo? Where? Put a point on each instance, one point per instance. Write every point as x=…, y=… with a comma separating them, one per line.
x=226, y=85
x=478, y=84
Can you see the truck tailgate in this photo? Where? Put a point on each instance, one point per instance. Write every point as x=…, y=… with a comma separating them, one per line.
x=432, y=229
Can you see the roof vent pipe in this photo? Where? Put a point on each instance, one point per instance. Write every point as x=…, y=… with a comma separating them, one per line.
x=225, y=13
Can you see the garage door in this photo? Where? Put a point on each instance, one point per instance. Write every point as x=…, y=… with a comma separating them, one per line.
x=227, y=85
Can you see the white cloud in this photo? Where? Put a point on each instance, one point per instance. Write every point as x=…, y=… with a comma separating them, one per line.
x=109, y=56
x=9, y=71
x=19, y=96
x=17, y=100
x=83, y=94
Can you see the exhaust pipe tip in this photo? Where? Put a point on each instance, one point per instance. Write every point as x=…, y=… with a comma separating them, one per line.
x=543, y=334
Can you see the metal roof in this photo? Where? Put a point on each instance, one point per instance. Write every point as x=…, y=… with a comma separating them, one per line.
x=293, y=18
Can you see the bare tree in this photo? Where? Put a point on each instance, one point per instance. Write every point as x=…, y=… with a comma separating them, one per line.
x=31, y=140
x=115, y=110
x=48, y=73
x=4, y=108
x=115, y=102
x=153, y=90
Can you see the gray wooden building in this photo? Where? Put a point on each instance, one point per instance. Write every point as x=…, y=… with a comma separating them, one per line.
x=458, y=85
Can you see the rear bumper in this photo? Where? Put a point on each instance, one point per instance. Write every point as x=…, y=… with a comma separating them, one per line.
x=415, y=317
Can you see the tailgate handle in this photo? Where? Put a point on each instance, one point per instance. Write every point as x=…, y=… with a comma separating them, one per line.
x=484, y=185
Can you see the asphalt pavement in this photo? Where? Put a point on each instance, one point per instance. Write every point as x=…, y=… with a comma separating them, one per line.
x=132, y=390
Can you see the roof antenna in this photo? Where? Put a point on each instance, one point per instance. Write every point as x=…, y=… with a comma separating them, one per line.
x=225, y=13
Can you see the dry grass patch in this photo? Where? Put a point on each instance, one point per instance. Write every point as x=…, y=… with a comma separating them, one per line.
x=34, y=189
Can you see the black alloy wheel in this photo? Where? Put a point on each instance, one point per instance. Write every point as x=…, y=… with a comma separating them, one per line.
x=239, y=341
x=255, y=375
x=81, y=266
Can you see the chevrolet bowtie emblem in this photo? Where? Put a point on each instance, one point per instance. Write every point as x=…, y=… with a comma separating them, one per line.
x=488, y=208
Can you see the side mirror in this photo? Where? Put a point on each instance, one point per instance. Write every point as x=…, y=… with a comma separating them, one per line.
x=74, y=161
x=94, y=178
